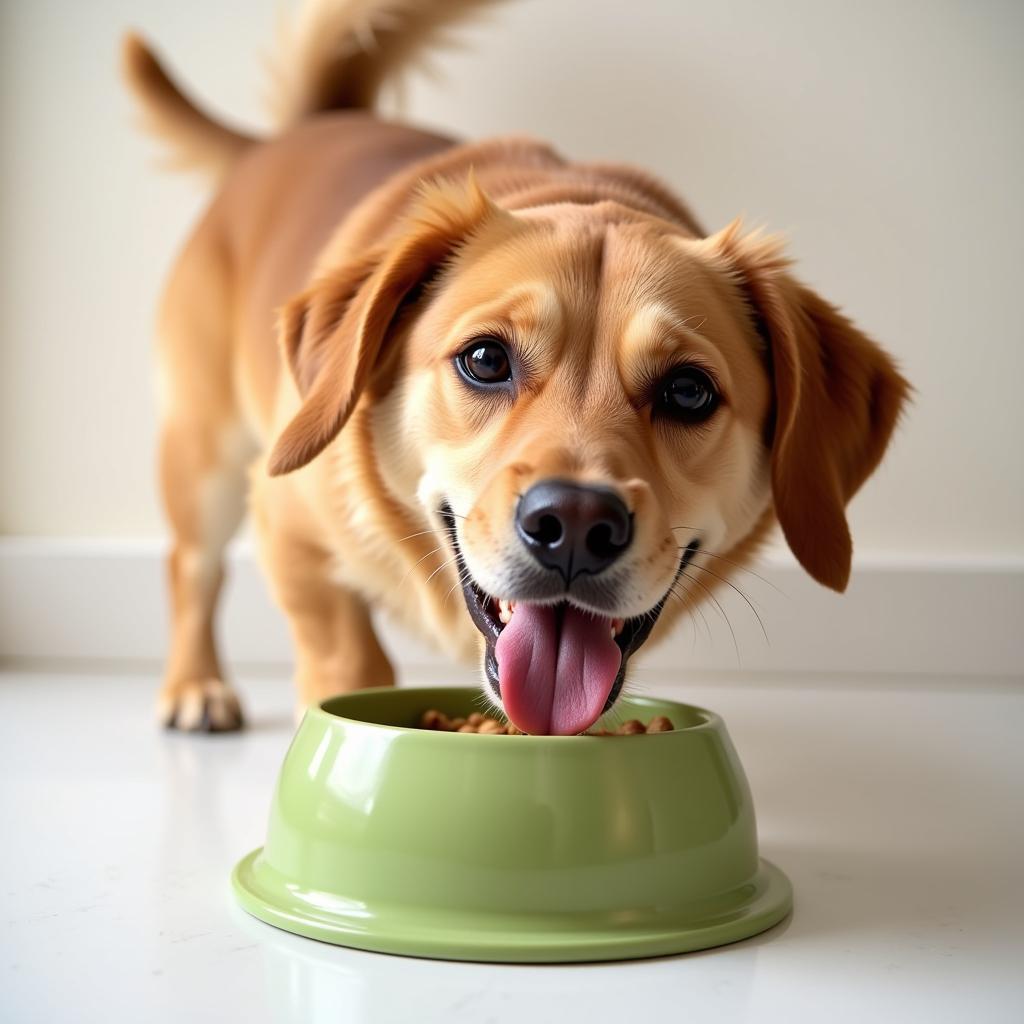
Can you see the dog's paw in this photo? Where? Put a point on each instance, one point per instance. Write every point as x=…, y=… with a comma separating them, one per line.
x=206, y=705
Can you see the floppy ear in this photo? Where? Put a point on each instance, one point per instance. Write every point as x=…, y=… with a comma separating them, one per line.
x=838, y=397
x=332, y=336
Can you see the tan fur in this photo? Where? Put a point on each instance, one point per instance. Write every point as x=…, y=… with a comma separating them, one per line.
x=338, y=55
x=379, y=251
x=197, y=141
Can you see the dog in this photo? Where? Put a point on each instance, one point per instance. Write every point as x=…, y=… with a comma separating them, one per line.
x=439, y=367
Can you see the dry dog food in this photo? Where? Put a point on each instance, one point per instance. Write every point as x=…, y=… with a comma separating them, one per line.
x=477, y=722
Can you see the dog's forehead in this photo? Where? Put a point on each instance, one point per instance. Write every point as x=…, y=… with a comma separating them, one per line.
x=588, y=260
x=646, y=266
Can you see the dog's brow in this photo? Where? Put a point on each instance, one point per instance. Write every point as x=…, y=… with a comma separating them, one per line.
x=656, y=336
x=535, y=306
x=655, y=328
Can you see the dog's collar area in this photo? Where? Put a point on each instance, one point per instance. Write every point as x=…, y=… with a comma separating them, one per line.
x=483, y=610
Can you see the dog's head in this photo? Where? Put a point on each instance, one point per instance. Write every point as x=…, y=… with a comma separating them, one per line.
x=591, y=403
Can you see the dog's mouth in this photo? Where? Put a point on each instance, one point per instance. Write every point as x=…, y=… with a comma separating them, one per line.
x=555, y=667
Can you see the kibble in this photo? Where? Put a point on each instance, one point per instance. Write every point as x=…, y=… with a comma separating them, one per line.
x=484, y=725
x=433, y=719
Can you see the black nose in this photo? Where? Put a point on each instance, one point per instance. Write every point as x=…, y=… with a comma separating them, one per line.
x=573, y=528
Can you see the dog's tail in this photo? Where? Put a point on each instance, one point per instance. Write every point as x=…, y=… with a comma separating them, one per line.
x=196, y=140
x=336, y=56
x=339, y=53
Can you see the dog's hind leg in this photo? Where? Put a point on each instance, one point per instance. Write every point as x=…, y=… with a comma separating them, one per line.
x=203, y=472
x=205, y=450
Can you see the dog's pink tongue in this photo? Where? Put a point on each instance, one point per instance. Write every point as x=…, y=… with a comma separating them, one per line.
x=555, y=676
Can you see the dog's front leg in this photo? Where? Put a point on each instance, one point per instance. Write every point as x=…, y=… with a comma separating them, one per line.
x=336, y=647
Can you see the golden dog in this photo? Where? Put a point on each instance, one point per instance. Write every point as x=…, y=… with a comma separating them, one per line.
x=478, y=366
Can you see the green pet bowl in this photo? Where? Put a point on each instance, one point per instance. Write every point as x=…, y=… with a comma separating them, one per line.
x=523, y=849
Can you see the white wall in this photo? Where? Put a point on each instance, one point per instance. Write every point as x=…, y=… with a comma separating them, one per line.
x=885, y=138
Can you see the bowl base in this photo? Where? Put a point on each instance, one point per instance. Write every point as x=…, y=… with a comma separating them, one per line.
x=509, y=937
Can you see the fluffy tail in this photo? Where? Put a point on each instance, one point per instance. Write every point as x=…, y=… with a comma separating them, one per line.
x=340, y=52
x=196, y=140
x=337, y=56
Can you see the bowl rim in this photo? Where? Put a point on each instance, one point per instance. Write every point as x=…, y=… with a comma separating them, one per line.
x=709, y=720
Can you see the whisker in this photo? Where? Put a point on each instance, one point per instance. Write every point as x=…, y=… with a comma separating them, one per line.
x=718, y=605
x=741, y=568
x=691, y=608
x=422, y=533
x=694, y=608
x=693, y=316
x=740, y=592
x=433, y=551
x=482, y=701
x=463, y=576
x=446, y=562
x=689, y=614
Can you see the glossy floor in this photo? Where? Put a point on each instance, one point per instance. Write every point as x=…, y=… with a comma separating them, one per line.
x=897, y=813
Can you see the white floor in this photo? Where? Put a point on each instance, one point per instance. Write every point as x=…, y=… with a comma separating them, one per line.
x=898, y=813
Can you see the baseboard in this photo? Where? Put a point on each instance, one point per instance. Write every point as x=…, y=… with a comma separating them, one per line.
x=99, y=601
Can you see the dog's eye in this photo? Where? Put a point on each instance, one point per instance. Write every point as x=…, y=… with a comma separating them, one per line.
x=485, y=361
x=686, y=394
